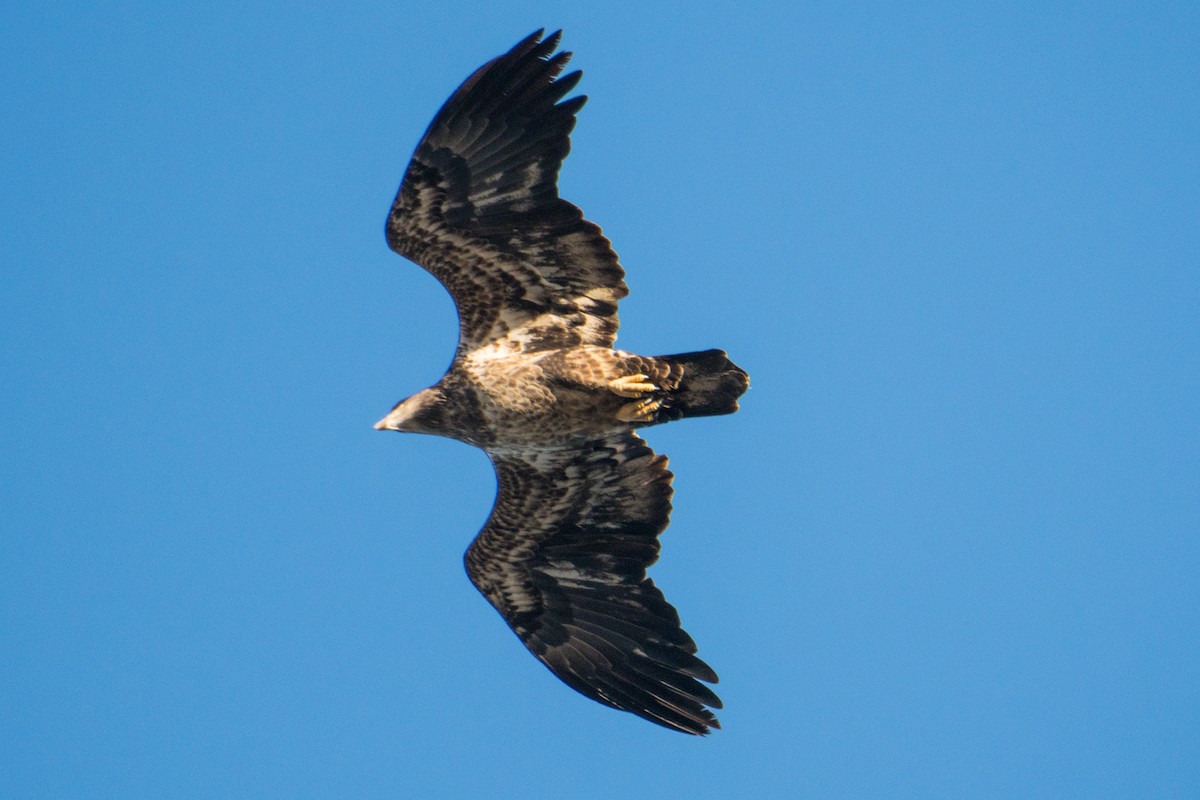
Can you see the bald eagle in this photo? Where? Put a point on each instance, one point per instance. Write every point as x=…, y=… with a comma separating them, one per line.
x=537, y=384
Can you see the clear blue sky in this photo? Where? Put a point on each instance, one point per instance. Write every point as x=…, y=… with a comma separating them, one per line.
x=949, y=548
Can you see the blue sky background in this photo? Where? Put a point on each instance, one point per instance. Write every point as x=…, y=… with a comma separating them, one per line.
x=949, y=548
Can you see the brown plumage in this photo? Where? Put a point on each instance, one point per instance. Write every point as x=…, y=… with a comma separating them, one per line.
x=537, y=385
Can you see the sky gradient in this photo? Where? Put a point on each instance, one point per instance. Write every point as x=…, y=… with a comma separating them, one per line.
x=950, y=547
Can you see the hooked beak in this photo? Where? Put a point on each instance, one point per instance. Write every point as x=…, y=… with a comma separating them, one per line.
x=393, y=421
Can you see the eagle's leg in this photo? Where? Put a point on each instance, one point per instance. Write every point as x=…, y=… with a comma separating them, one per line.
x=635, y=387
x=639, y=410
x=631, y=386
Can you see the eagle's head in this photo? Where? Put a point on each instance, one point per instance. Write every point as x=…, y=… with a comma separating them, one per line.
x=424, y=412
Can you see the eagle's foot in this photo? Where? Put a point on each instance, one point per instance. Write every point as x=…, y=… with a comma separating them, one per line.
x=631, y=386
x=639, y=410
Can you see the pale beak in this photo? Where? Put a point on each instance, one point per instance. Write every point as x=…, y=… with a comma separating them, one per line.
x=382, y=425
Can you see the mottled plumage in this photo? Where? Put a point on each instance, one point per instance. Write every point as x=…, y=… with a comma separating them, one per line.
x=537, y=385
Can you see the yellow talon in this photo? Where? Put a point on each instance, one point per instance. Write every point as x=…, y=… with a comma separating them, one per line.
x=639, y=410
x=631, y=385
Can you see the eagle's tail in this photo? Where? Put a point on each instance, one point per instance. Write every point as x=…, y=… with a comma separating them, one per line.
x=711, y=384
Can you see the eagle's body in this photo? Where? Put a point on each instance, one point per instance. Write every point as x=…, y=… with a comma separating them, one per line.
x=537, y=385
x=564, y=397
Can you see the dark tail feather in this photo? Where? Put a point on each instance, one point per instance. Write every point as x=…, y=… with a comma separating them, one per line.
x=711, y=384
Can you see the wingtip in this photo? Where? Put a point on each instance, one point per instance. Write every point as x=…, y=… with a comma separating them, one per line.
x=539, y=41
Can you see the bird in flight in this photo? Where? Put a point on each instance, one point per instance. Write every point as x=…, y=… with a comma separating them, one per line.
x=537, y=384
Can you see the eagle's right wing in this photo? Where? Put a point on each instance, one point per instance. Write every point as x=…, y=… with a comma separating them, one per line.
x=479, y=208
x=563, y=558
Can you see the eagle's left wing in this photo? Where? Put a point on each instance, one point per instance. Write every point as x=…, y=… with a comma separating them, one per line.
x=479, y=208
x=563, y=558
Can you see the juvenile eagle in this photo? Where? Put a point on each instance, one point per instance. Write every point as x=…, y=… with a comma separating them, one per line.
x=537, y=385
